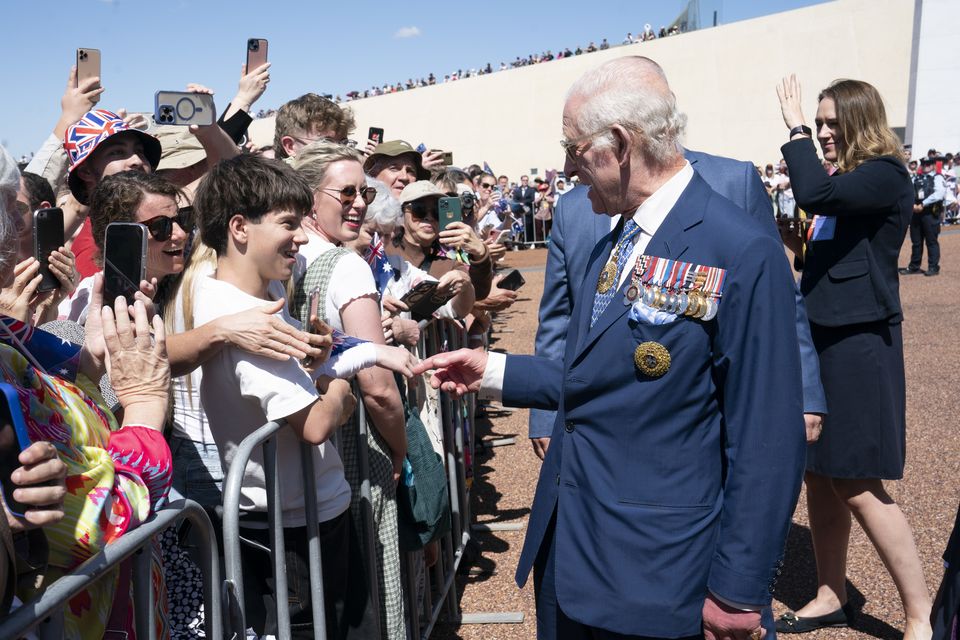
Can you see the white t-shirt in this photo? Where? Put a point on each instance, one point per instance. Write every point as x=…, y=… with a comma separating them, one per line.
x=241, y=392
x=351, y=278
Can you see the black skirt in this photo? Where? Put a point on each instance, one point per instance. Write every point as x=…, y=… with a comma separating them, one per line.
x=864, y=433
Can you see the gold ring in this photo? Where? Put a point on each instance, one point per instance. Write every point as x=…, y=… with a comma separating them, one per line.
x=756, y=634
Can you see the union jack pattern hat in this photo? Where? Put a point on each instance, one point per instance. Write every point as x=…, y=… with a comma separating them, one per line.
x=83, y=137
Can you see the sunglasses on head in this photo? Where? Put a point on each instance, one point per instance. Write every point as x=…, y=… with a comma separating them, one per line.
x=161, y=227
x=349, y=193
x=420, y=209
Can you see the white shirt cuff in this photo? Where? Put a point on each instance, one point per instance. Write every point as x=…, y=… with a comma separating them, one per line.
x=491, y=386
x=736, y=605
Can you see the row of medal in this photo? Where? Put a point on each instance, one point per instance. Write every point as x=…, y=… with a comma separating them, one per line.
x=679, y=288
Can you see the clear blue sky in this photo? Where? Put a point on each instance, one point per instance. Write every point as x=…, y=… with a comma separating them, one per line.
x=325, y=47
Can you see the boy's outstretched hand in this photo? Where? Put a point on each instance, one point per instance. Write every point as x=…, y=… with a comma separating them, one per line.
x=458, y=372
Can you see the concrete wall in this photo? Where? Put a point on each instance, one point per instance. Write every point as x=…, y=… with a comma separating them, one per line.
x=724, y=79
x=935, y=119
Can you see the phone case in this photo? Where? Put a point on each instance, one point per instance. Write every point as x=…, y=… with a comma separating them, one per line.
x=47, y=238
x=88, y=66
x=375, y=134
x=512, y=281
x=183, y=108
x=449, y=209
x=256, y=53
x=11, y=451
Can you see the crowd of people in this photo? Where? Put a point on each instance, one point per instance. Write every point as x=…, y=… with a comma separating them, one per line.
x=274, y=278
x=645, y=35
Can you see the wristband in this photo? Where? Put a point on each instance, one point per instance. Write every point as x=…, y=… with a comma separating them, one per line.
x=801, y=128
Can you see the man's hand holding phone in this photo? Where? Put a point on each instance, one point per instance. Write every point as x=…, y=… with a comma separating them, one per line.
x=77, y=99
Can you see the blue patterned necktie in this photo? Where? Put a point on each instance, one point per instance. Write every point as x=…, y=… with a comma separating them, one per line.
x=621, y=253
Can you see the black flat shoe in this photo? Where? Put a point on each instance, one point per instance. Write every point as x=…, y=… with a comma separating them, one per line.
x=906, y=271
x=791, y=623
x=932, y=272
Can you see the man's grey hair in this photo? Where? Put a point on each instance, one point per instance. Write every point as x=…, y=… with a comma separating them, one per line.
x=9, y=186
x=633, y=92
x=385, y=210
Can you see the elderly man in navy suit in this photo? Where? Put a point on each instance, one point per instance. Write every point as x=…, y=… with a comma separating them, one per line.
x=665, y=497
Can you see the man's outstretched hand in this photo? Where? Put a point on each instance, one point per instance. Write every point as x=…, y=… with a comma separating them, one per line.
x=458, y=372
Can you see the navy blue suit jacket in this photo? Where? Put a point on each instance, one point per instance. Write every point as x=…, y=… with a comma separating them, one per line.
x=577, y=229
x=667, y=488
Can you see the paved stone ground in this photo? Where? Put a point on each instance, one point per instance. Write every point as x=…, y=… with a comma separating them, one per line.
x=506, y=476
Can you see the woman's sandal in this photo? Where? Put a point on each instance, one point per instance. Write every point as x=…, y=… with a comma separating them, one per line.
x=791, y=623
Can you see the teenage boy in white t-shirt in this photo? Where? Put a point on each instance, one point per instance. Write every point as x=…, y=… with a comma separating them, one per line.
x=249, y=211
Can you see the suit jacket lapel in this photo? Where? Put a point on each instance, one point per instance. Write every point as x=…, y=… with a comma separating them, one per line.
x=667, y=242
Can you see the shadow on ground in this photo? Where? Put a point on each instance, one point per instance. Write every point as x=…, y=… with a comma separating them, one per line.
x=798, y=584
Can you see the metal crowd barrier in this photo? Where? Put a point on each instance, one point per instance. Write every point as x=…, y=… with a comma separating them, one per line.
x=45, y=614
x=233, y=582
x=456, y=417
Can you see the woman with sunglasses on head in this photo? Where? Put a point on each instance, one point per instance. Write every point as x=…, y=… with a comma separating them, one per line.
x=351, y=304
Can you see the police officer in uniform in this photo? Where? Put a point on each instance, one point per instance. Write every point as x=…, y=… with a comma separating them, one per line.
x=929, y=187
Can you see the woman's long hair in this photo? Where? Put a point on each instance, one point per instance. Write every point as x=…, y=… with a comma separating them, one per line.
x=862, y=123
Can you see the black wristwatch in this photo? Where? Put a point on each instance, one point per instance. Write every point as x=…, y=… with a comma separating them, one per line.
x=800, y=128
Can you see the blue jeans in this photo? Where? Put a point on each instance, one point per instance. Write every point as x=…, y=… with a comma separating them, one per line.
x=197, y=474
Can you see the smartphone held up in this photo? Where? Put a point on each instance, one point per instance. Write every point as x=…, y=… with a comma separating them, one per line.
x=47, y=238
x=124, y=260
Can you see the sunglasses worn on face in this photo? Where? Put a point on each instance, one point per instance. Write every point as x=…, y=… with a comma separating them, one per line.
x=487, y=185
x=161, y=227
x=420, y=210
x=349, y=193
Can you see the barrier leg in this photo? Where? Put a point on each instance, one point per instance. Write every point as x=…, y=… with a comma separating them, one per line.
x=313, y=543
x=366, y=509
x=277, y=547
x=144, y=615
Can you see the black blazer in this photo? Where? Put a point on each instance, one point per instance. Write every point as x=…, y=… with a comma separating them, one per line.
x=853, y=277
x=525, y=199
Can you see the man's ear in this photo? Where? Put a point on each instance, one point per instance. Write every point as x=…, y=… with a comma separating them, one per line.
x=46, y=205
x=288, y=144
x=622, y=144
x=237, y=229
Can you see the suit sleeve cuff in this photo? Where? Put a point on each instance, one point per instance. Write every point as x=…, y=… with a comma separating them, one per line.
x=491, y=386
x=736, y=605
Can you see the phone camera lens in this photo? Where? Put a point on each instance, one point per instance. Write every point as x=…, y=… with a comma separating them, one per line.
x=166, y=114
x=253, y=45
x=83, y=55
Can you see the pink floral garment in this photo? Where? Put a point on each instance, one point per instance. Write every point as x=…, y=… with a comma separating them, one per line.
x=116, y=479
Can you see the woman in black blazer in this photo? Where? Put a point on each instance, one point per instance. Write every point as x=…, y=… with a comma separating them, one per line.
x=850, y=284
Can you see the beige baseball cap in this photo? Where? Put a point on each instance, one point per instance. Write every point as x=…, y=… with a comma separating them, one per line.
x=420, y=189
x=178, y=147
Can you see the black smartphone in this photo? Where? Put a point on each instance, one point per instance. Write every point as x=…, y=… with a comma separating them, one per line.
x=375, y=134
x=47, y=238
x=256, y=53
x=124, y=260
x=13, y=440
x=451, y=210
x=513, y=281
x=423, y=299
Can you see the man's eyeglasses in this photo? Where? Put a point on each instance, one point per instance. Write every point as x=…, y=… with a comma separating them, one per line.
x=347, y=142
x=420, y=209
x=161, y=227
x=572, y=147
x=349, y=193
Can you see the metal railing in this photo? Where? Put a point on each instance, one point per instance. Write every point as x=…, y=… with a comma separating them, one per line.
x=45, y=613
x=224, y=610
